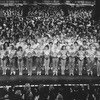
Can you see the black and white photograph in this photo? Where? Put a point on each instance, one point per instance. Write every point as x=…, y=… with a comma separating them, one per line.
x=49, y=49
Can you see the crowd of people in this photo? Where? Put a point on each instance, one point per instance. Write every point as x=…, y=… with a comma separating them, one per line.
x=42, y=92
x=50, y=38
x=12, y=11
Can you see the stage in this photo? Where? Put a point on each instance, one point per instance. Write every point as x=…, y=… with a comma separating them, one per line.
x=10, y=80
x=50, y=79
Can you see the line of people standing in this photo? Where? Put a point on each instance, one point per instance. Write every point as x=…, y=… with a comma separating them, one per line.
x=50, y=55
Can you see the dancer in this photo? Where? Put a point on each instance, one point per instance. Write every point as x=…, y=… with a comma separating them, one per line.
x=20, y=55
x=98, y=61
x=4, y=54
x=55, y=57
x=90, y=55
x=39, y=55
x=46, y=59
x=63, y=59
x=71, y=54
x=11, y=56
x=51, y=60
x=29, y=60
x=81, y=56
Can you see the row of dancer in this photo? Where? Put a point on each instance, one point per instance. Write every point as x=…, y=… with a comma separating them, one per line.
x=50, y=57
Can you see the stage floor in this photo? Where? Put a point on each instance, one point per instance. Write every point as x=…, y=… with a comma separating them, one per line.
x=10, y=80
x=50, y=79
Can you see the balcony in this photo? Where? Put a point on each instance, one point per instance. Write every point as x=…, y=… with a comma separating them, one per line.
x=55, y=2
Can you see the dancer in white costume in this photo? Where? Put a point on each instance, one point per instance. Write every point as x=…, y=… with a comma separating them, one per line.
x=29, y=60
x=11, y=55
x=3, y=56
x=46, y=53
x=20, y=55
x=55, y=57
x=90, y=55
x=71, y=54
x=98, y=61
x=39, y=54
x=81, y=56
x=63, y=59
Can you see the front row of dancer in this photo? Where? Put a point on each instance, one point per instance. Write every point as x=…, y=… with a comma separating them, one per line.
x=50, y=58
